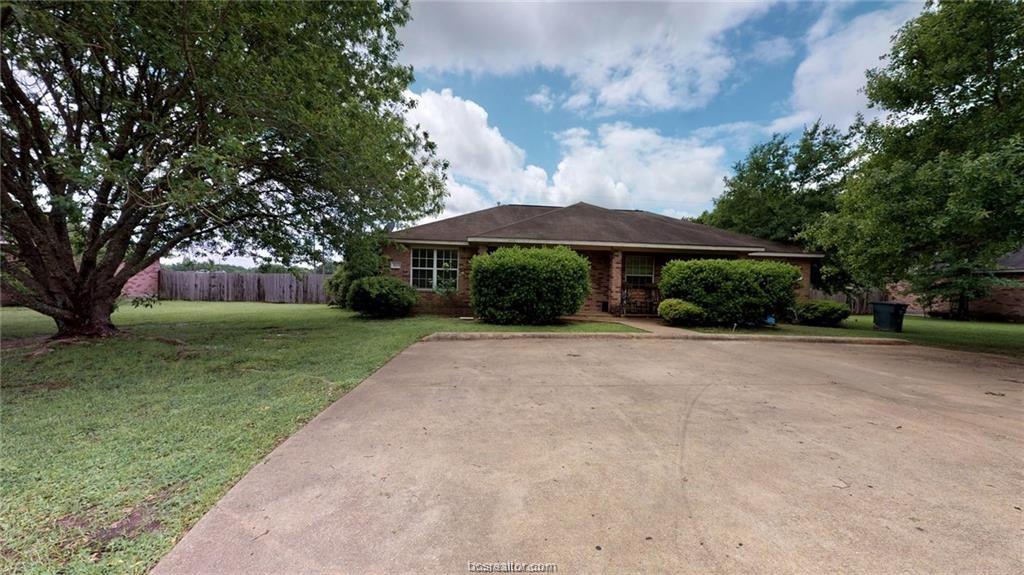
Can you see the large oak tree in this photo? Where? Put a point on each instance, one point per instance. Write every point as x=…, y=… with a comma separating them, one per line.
x=131, y=129
x=940, y=194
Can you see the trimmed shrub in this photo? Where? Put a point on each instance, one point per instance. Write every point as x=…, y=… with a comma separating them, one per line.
x=528, y=285
x=821, y=312
x=381, y=296
x=679, y=312
x=732, y=291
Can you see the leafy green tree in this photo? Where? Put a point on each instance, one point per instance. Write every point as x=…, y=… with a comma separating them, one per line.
x=362, y=258
x=130, y=129
x=780, y=189
x=940, y=194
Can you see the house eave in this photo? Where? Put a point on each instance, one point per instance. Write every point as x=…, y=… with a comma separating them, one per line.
x=617, y=245
x=767, y=254
x=429, y=242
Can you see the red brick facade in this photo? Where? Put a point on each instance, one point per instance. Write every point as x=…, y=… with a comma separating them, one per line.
x=600, y=265
x=400, y=265
x=607, y=278
x=1004, y=303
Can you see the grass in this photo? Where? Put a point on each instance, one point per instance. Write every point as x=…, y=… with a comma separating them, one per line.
x=111, y=449
x=979, y=336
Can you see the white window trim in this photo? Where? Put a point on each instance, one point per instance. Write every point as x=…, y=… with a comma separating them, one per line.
x=433, y=269
x=625, y=268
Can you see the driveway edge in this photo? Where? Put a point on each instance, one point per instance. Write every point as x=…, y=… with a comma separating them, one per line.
x=479, y=335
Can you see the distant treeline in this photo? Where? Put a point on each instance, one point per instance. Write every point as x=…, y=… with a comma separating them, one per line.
x=190, y=265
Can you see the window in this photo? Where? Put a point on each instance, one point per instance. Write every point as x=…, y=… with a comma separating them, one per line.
x=639, y=271
x=430, y=266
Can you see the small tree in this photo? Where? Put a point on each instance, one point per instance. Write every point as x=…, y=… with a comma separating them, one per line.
x=363, y=258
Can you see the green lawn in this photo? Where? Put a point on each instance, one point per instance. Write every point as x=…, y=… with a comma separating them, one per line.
x=983, y=336
x=111, y=449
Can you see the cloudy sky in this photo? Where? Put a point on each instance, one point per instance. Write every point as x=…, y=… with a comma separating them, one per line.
x=629, y=105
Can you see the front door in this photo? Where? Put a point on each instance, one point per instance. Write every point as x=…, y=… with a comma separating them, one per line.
x=640, y=294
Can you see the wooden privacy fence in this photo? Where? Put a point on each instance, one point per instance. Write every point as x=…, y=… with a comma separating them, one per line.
x=859, y=303
x=226, y=286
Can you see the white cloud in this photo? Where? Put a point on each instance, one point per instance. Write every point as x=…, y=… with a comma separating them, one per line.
x=772, y=50
x=477, y=151
x=619, y=165
x=618, y=56
x=485, y=166
x=542, y=98
x=623, y=166
x=578, y=101
x=829, y=81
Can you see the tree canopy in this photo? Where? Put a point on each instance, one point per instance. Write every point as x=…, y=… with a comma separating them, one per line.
x=940, y=194
x=780, y=189
x=131, y=129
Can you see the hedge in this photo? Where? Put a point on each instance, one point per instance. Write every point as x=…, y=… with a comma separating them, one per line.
x=679, y=312
x=821, y=312
x=732, y=291
x=381, y=296
x=528, y=285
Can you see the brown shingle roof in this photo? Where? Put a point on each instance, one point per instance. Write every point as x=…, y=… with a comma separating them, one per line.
x=458, y=228
x=585, y=223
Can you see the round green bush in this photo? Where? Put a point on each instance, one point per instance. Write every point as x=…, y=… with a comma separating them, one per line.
x=732, y=291
x=821, y=312
x=679, y=312
x=381, y=296
x=528, y=286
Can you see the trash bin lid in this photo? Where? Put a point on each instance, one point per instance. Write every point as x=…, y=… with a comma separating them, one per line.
x=892, y=303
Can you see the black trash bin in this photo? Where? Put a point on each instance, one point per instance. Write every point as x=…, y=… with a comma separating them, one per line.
x=888, y=315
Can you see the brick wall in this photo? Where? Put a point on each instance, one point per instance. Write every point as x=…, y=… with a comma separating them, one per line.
x=600, y=263
x=430, y=302
x=1004, y=303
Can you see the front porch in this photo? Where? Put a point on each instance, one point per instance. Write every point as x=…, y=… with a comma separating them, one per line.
x=631, y=286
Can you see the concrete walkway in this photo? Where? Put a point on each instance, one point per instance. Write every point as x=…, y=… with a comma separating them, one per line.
x=641, y=455
x=651, y=324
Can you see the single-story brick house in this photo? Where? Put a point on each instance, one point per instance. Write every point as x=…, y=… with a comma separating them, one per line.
x=626, y=249
x=1005, y=303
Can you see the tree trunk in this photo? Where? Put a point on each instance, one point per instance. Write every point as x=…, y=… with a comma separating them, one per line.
x=90, y=320
x=960, y=309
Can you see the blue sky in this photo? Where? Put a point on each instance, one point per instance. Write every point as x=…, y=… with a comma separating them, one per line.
x=634, y=105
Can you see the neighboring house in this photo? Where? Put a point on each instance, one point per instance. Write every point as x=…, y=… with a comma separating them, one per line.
x=1004, y=303
x=626, y=249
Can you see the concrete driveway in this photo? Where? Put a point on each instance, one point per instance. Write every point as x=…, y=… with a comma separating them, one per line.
x=614, y=455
